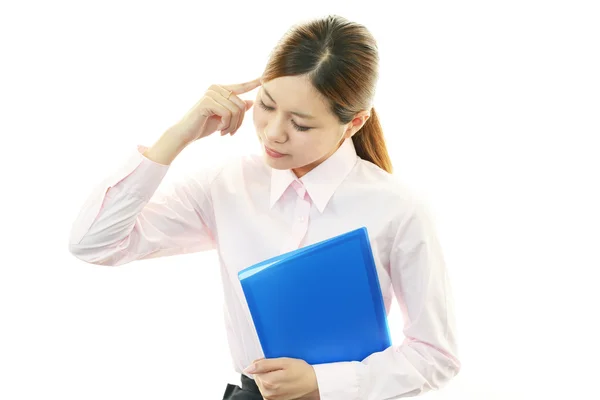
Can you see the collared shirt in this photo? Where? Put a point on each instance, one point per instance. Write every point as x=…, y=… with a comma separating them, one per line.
x=248, y=212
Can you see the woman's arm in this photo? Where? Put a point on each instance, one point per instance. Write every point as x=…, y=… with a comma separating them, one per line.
x=427, y=359
x=132, y=216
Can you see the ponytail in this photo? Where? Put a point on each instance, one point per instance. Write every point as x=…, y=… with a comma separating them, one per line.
x=370, y=143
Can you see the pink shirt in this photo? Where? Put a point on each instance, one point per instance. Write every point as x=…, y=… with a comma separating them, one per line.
x=249, y=212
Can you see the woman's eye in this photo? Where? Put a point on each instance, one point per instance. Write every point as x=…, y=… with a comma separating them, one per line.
x=296, y=126
x=300, y=128
x=264, y=106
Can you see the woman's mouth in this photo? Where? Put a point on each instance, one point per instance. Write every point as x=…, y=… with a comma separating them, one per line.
x=273, y=153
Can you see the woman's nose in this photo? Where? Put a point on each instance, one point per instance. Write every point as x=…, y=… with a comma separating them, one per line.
x=275, y=133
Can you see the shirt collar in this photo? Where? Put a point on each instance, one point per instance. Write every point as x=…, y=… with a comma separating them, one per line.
x=322, y=181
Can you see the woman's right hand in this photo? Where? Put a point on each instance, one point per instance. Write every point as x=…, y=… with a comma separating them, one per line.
x=214, y=111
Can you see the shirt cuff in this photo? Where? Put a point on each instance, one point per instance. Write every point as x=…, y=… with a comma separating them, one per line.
x=338, y=381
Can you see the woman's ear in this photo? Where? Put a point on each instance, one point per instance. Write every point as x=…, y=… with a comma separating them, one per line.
x=357, y=123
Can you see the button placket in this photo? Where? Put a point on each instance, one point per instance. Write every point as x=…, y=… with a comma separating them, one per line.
x=301, y=217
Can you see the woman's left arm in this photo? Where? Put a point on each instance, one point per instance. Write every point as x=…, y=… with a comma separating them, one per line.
x=427, y=359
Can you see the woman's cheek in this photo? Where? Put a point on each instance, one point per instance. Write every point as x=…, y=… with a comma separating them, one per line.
x=256, y=119
x=259, y=118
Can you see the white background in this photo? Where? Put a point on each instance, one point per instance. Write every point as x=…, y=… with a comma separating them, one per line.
x=491, y=109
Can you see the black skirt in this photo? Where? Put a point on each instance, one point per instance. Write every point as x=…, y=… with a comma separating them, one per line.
x=248, y=391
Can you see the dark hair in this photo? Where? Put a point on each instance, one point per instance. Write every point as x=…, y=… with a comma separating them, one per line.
x=340, y=58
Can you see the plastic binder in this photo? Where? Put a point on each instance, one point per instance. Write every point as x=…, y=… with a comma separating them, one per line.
x=321, y=303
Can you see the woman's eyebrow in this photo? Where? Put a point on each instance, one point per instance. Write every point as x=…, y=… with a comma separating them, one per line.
x=307, y=116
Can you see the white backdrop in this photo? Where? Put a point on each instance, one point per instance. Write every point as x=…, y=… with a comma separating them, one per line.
x=490, y=109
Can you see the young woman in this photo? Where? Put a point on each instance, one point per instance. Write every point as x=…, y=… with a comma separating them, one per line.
x=324, y=171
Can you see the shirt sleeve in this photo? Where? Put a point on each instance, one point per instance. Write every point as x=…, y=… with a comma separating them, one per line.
x=427, y=358
x=131, y=215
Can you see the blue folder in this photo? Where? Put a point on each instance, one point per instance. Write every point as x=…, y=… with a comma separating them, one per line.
x=321, y=303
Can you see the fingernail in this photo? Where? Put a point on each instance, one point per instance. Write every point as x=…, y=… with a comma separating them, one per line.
x=250, y=369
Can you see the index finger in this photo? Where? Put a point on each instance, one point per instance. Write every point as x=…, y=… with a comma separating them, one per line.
x=239, y=88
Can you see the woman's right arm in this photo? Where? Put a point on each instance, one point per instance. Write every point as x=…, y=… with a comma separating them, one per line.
x=131, y=216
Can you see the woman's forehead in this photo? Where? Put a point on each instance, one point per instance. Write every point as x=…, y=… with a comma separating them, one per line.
x=296, y=94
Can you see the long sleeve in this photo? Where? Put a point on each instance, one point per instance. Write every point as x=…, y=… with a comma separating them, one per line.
x=131, y=216
x=427, y=358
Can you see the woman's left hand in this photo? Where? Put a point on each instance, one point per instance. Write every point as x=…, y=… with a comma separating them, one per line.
x=284, y=378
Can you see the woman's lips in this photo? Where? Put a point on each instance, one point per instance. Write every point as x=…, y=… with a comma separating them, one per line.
x=273, y=153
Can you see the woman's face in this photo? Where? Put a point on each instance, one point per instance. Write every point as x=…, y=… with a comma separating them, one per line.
x=291, y=118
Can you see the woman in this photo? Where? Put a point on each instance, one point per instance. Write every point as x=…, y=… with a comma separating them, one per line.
x=325, y=170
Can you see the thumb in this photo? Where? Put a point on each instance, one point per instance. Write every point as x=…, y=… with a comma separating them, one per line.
x=249, y=104
x=263, y=365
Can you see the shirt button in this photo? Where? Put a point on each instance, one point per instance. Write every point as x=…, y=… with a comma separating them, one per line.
x=301, y=219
